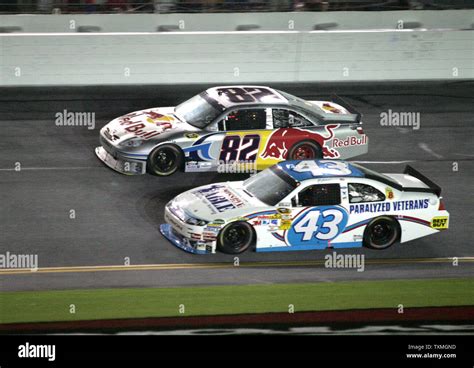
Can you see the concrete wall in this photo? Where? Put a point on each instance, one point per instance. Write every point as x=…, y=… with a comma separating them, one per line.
x=300, y=21
x=234, y=57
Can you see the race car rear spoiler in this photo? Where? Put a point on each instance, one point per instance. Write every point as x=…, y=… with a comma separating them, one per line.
x=432, y=187
x=340, y=101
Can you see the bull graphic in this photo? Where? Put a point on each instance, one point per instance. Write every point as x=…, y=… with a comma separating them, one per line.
x=281, y=140
x=159, y=119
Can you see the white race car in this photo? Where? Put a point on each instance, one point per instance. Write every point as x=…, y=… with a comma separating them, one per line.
x=306, y=204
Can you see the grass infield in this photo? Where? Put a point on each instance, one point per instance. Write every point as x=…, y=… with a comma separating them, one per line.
x=34, y=306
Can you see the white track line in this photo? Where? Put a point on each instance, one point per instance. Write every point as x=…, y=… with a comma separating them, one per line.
x=53, y=168
x=384, y=162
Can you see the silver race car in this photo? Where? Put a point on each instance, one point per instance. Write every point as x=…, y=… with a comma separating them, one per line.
x=231, y=125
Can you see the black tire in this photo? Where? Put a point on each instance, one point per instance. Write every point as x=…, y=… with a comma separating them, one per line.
x=235, y=238
x=305, y=150
x=381, y=233
x=165, y=160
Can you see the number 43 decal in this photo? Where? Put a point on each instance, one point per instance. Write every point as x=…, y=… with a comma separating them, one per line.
x=317, y=226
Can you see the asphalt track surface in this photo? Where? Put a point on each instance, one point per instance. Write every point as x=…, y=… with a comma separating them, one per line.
x=118, y=217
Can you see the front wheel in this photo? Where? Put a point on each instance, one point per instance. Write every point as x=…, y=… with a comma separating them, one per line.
x=235, y=238
x=165, y=160
x=381, y=233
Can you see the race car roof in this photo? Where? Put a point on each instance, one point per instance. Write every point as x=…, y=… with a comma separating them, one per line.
x=234, y=95
x=229, y=96
x=302, y=170
x=315, y=169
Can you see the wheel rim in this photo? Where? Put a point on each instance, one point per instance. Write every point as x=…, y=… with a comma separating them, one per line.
x=382, y=233
x=235, y=237
x=165, y=160
x=304, y=152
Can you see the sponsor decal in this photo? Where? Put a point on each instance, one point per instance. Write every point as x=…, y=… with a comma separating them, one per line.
x=159, y=119
x=191, y=135
x=140, y=129
x=195, y=165
x=220, y=197
x=281, y=140
x=412, y=204
x=357, y=238
x=239, y=219
x=440, y=222
x=283, y=210
x=350, y=141
x=285, y=224
x=331, y=108
x=209, y=236
x=389, y=193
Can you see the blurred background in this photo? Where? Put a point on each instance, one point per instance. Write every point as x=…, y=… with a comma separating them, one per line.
x=213, y=6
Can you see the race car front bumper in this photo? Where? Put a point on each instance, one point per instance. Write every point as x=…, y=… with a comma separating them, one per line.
x=189, y=238
x=122, y=162
x=178, y=240
x=123, y=165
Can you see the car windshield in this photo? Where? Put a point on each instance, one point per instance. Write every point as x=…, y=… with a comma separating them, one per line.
x=270, y=186
x=197, y=111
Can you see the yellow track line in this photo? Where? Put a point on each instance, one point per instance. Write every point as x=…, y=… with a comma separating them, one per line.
x=196, y=266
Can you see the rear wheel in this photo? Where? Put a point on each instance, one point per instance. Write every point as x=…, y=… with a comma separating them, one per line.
x=381, y=233
x=235, y=238
x=305, y=151
x=165, y=160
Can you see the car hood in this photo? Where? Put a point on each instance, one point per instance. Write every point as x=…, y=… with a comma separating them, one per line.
x=216, y=201
x=145, y=124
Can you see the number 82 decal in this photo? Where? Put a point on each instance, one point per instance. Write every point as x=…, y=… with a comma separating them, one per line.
x=317, y=226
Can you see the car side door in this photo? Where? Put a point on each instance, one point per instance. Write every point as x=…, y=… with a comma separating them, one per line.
x=318, y=216
x=242, y=130
x=295, y=136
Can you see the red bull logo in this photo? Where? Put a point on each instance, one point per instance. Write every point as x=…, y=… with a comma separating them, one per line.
x=282, y=140
x=160, y=120
x=331, y=108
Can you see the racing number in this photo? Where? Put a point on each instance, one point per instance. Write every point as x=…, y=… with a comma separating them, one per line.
x=328, y=229
x=237, y=95
x=236, y=148
x=317, y=226
x=323, y=168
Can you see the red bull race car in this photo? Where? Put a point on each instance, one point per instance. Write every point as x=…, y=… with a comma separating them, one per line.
x=236, y=126
x=305, y=205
